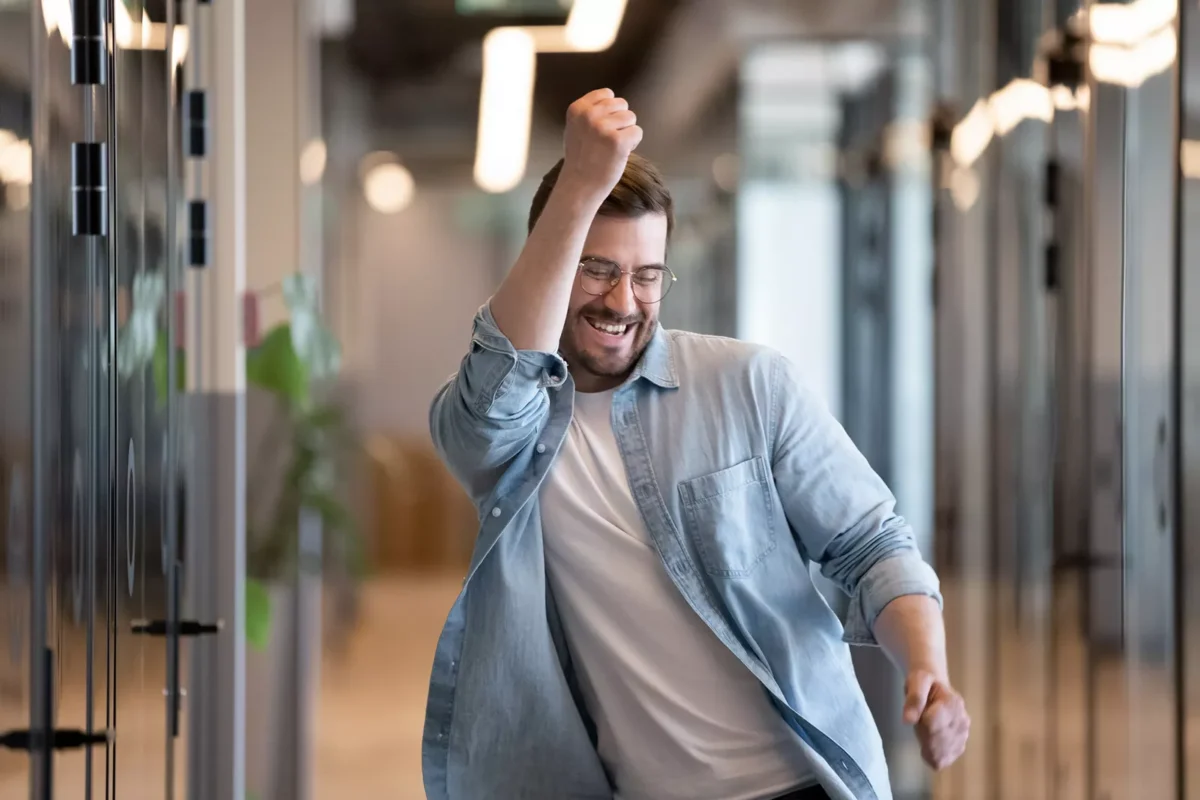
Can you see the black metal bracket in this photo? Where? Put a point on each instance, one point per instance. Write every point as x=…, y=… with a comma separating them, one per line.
x=185, y=627
x=61, y=739
x=89, y=56
x=89, y=188
x=197, y=241
x=195, y=123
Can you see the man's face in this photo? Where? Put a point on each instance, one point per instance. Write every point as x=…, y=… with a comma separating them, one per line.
x=602, y=359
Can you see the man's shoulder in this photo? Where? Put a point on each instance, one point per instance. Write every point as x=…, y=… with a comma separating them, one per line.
x=713, y=356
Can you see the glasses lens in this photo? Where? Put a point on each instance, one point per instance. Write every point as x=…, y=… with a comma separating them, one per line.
x=598, y=277
x=651, y=284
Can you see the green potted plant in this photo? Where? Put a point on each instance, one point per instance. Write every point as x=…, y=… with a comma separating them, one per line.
x=292, y=490
x=295, y=363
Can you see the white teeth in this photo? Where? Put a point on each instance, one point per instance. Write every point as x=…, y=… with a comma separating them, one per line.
x=616, y=330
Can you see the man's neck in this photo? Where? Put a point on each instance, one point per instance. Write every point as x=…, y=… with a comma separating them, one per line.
x=591, y=383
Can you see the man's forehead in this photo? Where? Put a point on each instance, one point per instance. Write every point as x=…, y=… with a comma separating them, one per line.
x=629, y=241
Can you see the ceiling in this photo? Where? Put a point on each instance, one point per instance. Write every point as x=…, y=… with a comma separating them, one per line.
x=422, y=62
x=418, y=65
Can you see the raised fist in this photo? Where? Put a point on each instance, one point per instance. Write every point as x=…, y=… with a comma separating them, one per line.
x=601, y=133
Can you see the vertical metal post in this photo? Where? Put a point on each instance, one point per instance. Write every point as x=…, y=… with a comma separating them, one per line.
x=216, y=538
x=39, y=334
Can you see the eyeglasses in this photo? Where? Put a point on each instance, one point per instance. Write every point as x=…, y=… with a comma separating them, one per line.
x=599, y=276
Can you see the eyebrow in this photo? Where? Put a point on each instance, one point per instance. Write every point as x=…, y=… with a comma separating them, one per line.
x=586, y=257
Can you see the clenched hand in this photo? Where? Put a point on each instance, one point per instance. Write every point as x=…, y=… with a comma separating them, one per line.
x=939, y=716
x=601, y=133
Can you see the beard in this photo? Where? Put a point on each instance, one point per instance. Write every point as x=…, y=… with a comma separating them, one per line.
x=610, y=363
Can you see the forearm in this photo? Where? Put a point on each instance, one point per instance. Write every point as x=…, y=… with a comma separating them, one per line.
x=911, y=631
x=531, y=304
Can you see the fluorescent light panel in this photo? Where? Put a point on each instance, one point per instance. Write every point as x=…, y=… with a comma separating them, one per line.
x=1129, y=23
x=509, y=73
x=593, y=24
x=505, y=109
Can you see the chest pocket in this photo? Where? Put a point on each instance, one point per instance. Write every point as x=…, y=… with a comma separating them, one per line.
x=728, y=516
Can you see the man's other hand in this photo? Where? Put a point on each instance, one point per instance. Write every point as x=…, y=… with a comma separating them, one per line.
x=939, y=716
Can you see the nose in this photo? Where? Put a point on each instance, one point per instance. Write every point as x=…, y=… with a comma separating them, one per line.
x=620, y=300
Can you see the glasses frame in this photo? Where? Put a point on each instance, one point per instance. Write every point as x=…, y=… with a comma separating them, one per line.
x=622, y=272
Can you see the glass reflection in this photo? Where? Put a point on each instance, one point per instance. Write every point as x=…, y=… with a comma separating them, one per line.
x=1188, y=484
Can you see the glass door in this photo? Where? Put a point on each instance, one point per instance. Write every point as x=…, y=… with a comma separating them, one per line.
x=1188, y=486
x=16, y=399
x=89, y=464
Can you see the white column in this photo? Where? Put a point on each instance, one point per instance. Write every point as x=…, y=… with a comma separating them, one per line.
x=215, y=711
x=283, y=237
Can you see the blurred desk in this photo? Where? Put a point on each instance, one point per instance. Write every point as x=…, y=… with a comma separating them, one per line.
x=421, y=520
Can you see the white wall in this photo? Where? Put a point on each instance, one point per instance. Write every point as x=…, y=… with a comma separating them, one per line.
x=789, y=276
x=421, y=275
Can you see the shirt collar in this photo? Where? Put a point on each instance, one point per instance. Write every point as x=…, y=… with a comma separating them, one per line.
x=657, y=363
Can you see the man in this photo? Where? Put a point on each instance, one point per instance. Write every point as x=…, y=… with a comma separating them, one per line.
x=638, y=620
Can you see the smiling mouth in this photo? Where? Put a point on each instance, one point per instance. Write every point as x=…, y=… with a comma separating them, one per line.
x=610, y=329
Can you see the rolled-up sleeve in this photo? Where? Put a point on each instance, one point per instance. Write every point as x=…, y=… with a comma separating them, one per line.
x=887, y=579
x=493, y=406
x=840, y=511
x=499, y=381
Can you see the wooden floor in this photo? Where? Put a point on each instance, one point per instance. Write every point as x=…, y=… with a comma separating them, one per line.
x=1030, y=744
x=372, y=704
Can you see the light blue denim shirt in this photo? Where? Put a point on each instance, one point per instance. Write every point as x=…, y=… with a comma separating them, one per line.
x=742, y=476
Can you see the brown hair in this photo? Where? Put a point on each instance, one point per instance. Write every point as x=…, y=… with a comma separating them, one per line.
x=641, y=190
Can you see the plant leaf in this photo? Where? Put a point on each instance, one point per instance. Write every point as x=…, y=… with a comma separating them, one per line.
x=274, y=366
x=314, y=344
x=160, y=368
x=258, y=615
x=333, y=513
x=136, y=341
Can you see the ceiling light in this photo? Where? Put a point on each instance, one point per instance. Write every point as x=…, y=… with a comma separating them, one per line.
x=57, y=16
x=179, y=46
x=312, y=162
x=1131, y=66
x=1020, y=100
x=972, y=136
x=593, y=24
x=505, y=109
x=16, y=162
x=123, y=27
x=1129, y=23
x=389, y=188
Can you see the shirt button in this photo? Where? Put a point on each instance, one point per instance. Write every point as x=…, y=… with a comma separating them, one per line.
x=541, y=448
x=496, y=511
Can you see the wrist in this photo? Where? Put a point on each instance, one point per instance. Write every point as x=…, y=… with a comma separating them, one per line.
x=937, y=669
x=579, y=192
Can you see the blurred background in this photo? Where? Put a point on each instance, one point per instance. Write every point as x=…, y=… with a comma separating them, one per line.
x=241, y=244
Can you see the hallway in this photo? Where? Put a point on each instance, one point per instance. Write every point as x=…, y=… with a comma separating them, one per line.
x=372, y=702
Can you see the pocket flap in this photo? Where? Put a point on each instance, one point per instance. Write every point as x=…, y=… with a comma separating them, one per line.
x=715, y=484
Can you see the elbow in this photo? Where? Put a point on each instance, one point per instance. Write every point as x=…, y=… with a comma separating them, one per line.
x=900, y=574
x=877, y=537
